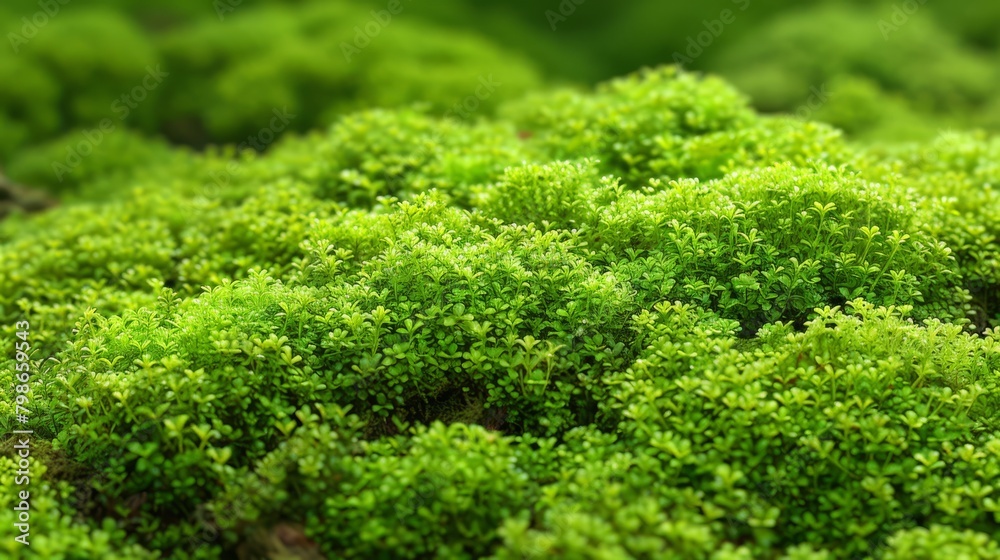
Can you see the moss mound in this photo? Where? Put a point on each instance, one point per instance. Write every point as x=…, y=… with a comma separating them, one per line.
x=643, y=321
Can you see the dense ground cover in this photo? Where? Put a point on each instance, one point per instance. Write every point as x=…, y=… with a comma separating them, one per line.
x=643, y=321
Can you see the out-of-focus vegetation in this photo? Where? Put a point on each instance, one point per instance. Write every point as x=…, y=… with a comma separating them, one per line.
x=898, y=71
x=196, y=79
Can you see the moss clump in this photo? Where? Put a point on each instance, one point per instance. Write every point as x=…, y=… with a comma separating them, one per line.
x=713, y=335
x=665, y=123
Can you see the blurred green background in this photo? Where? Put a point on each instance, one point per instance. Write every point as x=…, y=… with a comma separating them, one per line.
x=886, y=71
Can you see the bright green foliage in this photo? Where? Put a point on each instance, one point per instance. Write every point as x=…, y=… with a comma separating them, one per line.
x=958, y=174
x=405, y=497
x=669, y=124
x=400, y=154
x=631, y=120
x=758, y=246
x=862, y=423
x=405, y=338
x=716, y=335
x=776, y=243
x=559, y=195
x=941, y=543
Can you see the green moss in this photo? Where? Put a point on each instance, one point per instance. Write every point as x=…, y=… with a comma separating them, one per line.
x=710, y=334
x=665, y=123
